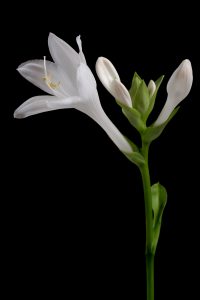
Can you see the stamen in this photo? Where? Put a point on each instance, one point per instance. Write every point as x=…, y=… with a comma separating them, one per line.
x=47, y=78
x=45, y=68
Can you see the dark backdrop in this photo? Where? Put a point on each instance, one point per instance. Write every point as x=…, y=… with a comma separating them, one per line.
x=74, y=216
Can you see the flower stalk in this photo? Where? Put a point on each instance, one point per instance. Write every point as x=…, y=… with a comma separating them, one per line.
x=71, y=84
x=149, y=222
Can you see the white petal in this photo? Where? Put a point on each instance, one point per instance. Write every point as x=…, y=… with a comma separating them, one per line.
x=106, y=73
x=33, y=71
x=64, y=55
x=92, y=107
x=121, y=93
x=86, y=85
x=40, y=104
x=82, y=56
x=115, y=135
x=86, y=82
x=165, y=112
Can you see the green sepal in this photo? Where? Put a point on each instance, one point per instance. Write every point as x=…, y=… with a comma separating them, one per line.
x=153, y=98
x=142, y=98
x=159, y=200
x=133, y=145
x=133, y=116
x=135, y=157
x=153, y=132
x=135, y=85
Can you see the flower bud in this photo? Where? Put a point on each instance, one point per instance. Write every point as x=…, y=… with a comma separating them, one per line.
x=151, y=87
x=178, y=87
x=180, y=83
x=111, y=81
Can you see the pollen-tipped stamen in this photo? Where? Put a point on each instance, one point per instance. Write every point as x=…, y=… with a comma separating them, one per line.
x=47, y=78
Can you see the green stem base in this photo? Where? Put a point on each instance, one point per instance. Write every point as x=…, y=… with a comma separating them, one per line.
x=150, y=276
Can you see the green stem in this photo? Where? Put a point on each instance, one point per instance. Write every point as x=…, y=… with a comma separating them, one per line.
x=149, y=223
x=150, y=276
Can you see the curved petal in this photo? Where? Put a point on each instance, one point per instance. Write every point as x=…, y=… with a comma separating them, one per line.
x=34, y=72
x=120, y=92
x=64, y=55
x=86, y=85
x=91, y=106
x=40, y=104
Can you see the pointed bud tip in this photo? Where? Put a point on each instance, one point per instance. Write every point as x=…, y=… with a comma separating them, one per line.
x=100, y=63
x=186, y=65
x=186, y=61
x=104, y=67
x=106, y=73
x=151, y=87
x=180, y=82
x=100, y=60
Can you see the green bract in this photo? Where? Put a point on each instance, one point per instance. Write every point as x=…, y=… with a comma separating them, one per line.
x=159, y=200
x=153, y=132
x=135, y=85
x=139, y=94
x=134, y=117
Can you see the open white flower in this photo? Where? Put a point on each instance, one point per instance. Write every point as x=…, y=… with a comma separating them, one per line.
x=70, y=84
x=178, y=87
x=111, y=81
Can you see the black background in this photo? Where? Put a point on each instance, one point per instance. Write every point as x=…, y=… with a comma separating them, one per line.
x=74, y=216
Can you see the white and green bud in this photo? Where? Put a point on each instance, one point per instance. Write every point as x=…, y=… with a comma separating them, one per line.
x=151, y=87
x=178, y=87
x=111, y=81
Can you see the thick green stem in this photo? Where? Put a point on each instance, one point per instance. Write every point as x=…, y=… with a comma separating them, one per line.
x=150, y=276
x=149, y=223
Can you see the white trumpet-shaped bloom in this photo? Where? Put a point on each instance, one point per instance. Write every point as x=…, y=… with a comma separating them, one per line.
x=110, y=79
x=178, y=87
x=70, y=83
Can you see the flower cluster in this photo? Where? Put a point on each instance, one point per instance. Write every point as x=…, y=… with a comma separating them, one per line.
x=71, y=84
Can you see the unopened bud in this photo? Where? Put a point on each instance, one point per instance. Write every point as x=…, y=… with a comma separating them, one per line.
x=178, y=87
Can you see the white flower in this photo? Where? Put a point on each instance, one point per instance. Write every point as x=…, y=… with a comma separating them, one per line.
x=111, y=81
x=70, y=84
x=178, y=87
